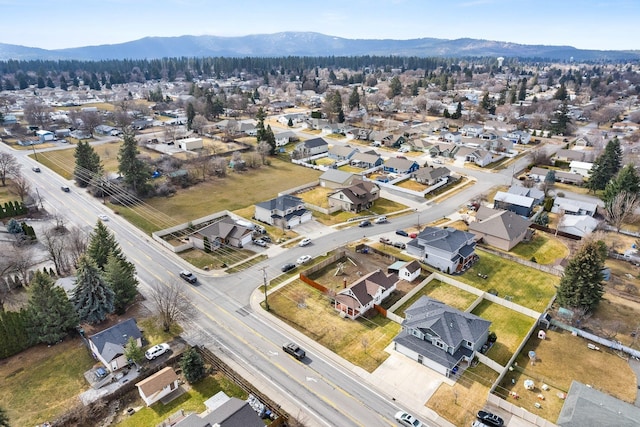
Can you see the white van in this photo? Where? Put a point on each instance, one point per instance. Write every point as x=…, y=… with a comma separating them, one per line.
x=381, y=220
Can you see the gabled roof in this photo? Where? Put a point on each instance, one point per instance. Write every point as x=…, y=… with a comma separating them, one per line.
x=365, y=158
x=365, y=288
x=448, y=239
x=336, y=175
x=431, y=173
x=232, y=413
x=110, y=342
x=225, y=228
x=527, y=192
x=156, y=382
x=499, y=223
x=514, y=199
x=343, y=150
x=362, y=191
x=315, y=142
x=399, y=164
x=281, y=203
x=412, y=266
x=451, y=325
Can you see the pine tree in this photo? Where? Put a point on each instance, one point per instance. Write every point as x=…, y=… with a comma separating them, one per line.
x=132, y=352
x=192, y=366
x=92, y=296
x=88, y=164
x=191, y=113
x=626, y=180
x=581, y=284
x=120, y=276
x=606, y=166
x=51, y=314
x=354, y=99
x=136, y=172
x=102, y=243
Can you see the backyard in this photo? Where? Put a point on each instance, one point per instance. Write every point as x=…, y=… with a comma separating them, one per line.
x=543, y=248
x=448, y=294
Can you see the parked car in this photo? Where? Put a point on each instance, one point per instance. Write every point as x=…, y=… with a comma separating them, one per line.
x=294, y=350
x=364, y=223
x=188, y=276
x=386, y=241
x=413, y=235
x=305, y=242
x=266, y=238
x=402, y=233
x=381, y=220
x=35, y=169
x=399, y=245
x=101, y=373
x=65, y=188
x=156, y=350
x=478, y=423
x=288, y=267
x=303, y=259
x=260, y=242
x=490, y=419
x=407, y=420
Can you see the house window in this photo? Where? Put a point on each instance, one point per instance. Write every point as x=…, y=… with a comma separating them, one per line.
x=439, y=344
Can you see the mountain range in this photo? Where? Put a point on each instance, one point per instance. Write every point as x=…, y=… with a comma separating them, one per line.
x=308, y=44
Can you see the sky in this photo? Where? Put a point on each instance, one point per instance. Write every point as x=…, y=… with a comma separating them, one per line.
x=586, y=24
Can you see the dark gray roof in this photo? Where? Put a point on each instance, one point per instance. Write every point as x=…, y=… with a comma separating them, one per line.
x=447, y=239
x=432, y=352
x=110, y=342
x=499, y=223
x=281, y=203
x=399, y=164
x=233, y=413
x=588, y=407
x=336, y=175
x=315, y=142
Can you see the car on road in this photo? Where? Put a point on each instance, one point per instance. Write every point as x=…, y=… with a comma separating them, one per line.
x=399, y=245
x=381, y=220
x=65, y=188
x=407, y=420
x=188, y=276
x=35, y=169
x=402, y=233
x=103, y=217
x=260, y=242
x=294, y=350
x=303, y=259
x=305, y=242
x=364, y=223
x=490, y=419
x=157, y=350
x=288, y=267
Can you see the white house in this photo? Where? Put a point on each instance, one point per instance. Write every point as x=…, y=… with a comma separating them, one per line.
x=573, y=206
x=190, y=144
x=283, y=211
x=446, y=249
x=581, y=168
x=158, y=385
x=410, y=271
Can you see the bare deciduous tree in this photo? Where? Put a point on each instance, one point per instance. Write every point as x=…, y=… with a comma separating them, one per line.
x=90, y=121
x=264, y=149
x=77, y=241
x=55, y=243
x=172, y=307
x=22, y=259
x=621, y=209
x=9, y=167
x=37, y=113
x=20, y=186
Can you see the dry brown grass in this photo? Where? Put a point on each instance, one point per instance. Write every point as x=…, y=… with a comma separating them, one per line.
x=560, y=359
x=317, y=196
x=450, y=295
x=411, y=184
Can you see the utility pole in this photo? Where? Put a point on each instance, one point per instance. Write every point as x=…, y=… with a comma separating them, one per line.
x=264, y=278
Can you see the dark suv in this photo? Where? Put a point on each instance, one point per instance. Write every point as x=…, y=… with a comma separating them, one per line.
x=294, y=350
x=188, y=276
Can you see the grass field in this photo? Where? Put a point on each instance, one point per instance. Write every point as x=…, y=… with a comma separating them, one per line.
x=544, y=248
x=526, y=286
x=561, y=358
x=361, y=342
x=317, y=196
x=450, y=295
x=460, y=403
x=510, y=327
x=411, y=184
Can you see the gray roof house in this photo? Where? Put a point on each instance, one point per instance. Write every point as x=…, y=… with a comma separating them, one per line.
x=342, y=152
x=225, y=232
x=334, y=178
x=573, y=206
x=521, y=205
x=400, y=165
x=364, y=293
x=355, y=198
x=311, y=147
x=439, y=336
x=587, y=407
x=429, y=175
x=561, y=176
x=108, y=345
x=283, y=211
x=499, y=228
x=538, y=195
x=366, y=160
x=446, y=249
x=223, y=411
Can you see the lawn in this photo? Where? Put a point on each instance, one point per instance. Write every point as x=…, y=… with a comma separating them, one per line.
x=561, y=358
x=217, y=259
x=450, y=295
x=191, y=401
x=153, y=332
x=317, y=196
x=544, y=248
x=460, y=403
x=510, y=327
x=6, y=195
x=380, y=207
x=361, y=342
x=523, y=285
x=237, y=190
x=349, y=168
x=411, y=184
x=41, y=383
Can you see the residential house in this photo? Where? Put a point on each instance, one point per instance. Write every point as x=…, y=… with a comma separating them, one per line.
x=518, y=137
x=312, y=147
x=581, y=168
x=106, y=130
x=356, y=198
x=363, y=134
x=499, y=228
x=335, y=178
x=471, y=130
x=410, y=271
x=366, y=160
x=573, y=206
x=537, y=195
x=364, y=293
x=445, y=249
x=283, y=138
x=443, y=149
x=578, y=225
x=430, y=175
x=520, y=205
x=225, y=232
x=586, y=406
x=420, y=145
x=158, y=385
x=474, y=155
x=382, y=138
x=571, y=155
x=400, y=165
x=187, y=144
x=342, y=152
x=452, y=137
x=224, y=411
x=584, y=141
x=489, y=135
x=108, y=345
x=45, y=135
x=294, y=117
x=285, y=211
x=439, y=336
x=9, y=119
x=565, y=177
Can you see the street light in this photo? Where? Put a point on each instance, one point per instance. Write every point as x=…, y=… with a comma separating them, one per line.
x=264, y=278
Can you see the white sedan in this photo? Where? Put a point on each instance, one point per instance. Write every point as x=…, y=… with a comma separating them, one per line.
x=303, y=259
x=305, y=241
x=407, y=419
x=103, y=217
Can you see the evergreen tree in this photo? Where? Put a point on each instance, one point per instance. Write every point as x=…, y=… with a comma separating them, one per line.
x=626, y=180
x=51, y=314
x=606, y=166
x=260, y=129
x=102, y=244
x=561, y=93
x=120, y=275
x=395, y=87
x=192, y=366
x=92, y=296
x=191, y=113
x=136, y=172
x=14, y=332
x=581, y=284
x=354, y=99
x=132, y=352
x=88, y=165
x=4, y=418
x=270, y=138
x=522, y=92
x=561, y=121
